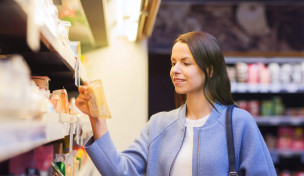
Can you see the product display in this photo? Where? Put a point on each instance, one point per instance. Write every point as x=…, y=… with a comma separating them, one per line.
x=97, y=104
x=62, y=102
x=35, y=113
x=259, y=77
x=41, y=81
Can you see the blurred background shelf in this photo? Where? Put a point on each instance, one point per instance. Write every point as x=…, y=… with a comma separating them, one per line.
x=266, y=88
x=278, y=154
x=265, y=60
x=279, y=120
x=21, y=135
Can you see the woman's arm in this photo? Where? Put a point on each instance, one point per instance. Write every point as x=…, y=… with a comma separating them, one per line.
x=99, y=126
x=102, y=150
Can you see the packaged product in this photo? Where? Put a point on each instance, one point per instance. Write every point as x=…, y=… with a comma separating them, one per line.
x=298, y=139
x=41, y=81
x=97, y=104
x=62, y=105
x=285, y=137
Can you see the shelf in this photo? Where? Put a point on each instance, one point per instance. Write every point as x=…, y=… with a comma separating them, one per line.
x=279, y=120
x=265, y=60
x=22, y=135
x=266, y=88
x=54, y=57
x=277, y=154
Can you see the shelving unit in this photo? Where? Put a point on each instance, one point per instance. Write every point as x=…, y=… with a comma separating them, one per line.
x=277, y=154
x=279, y=120
x=22, y=135
x=54, y=57
x=291, y=95
x=47, y=55
x=269, y=88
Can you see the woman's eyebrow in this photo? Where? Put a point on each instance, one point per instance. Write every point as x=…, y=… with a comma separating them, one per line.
x=182, y=59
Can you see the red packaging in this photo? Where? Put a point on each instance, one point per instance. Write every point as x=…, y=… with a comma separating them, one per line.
x=41, y=81
x=285, y=173
x=17, y=165
x=299, y=174
x=253, y=75
x=298, y=141
x=43, y=157
x=254, y=107
x=285, y=136
x=243, y=104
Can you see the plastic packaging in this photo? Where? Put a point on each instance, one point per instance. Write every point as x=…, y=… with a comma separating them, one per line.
x=97, y=104
x=61, y=96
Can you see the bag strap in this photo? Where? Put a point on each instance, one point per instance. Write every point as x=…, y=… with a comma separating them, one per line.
x=230, y=143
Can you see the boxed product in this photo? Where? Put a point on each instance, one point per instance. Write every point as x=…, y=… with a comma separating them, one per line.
x=62, y=101
x=285, y=137
x=41, y=81
x=97, y=104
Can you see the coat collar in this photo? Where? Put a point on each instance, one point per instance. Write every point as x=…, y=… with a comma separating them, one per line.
x=214, y=115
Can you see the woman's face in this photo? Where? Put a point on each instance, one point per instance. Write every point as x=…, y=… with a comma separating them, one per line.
x=186, y=75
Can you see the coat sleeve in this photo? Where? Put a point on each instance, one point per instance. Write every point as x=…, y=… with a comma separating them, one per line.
x=110, y=162
x=253, y=155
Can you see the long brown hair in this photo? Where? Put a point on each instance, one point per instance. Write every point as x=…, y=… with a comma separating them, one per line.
x=208, y=55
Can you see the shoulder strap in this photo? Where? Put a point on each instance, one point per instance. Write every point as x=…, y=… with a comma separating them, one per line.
x=230, y=143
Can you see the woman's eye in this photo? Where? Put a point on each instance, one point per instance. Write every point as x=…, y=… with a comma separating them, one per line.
x=172, y=64
x=187, y=63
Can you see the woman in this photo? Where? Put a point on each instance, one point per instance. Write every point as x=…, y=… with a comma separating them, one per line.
x=190, y=140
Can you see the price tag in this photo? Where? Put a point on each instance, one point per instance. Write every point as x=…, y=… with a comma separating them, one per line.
x=76, y=72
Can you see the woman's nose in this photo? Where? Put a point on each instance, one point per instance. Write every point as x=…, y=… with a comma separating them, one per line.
x=176, y=69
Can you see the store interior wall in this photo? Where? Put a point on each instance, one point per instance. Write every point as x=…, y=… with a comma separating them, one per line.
x=123, y=70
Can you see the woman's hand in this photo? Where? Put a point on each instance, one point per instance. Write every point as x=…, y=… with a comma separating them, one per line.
x=99, y=126
x=83, y=99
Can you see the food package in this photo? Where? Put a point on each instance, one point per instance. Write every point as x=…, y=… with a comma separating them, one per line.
x=61, y=97
x=97, y=104
x=41, y=81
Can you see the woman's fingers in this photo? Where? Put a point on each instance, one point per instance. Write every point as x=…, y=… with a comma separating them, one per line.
x=82, y=89
x=86, y=83
x=84, y=96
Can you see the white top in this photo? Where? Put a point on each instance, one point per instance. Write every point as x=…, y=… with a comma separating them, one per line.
x=183, y=163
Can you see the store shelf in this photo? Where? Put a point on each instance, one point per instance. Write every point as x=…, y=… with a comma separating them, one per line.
x=21, y=135
x=279, y=120
x=53, y=58
x=268, y=88
x=265, y=60
x=277, y=154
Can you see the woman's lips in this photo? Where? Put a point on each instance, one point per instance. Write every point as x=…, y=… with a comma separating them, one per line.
x=178, y=81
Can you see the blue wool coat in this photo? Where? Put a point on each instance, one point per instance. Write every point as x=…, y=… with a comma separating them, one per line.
x=153, y=153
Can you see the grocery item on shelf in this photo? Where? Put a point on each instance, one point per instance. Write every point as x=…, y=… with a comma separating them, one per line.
x=298, y=139
x=76, y=48
x=41, y=81
x=34, y=162
x=271, y=141
x=19, y=96
x=63, y=29
x=60, y=96
x=43, y=157
x=241, y=72
x=59, y=160
x=285, y=136
x=97, y=104
x=259, y=77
